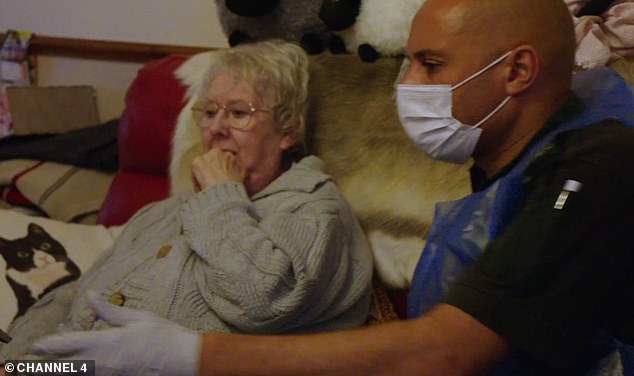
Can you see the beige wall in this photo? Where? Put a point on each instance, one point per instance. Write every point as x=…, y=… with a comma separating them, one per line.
x=188, y=23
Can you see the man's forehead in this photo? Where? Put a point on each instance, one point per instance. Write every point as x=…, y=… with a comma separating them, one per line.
x=453, y=19
x=450, y=14
x=434, y=29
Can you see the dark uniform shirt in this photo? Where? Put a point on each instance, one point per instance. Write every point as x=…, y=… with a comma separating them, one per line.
x=562, y=271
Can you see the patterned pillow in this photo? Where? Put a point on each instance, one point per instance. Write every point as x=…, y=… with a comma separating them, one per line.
x=60, y=191
x=39, y=254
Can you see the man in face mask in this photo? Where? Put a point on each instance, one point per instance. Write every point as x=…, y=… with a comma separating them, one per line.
x=531, y=274
x=491, y=74
x=527, y=253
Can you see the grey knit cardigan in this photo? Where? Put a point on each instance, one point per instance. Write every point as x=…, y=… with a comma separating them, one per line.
x=291, y=259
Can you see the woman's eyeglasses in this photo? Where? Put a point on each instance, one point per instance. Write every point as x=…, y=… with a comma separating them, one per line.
x=237, y=114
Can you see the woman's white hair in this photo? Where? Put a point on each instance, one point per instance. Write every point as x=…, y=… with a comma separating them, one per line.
x=277, y=70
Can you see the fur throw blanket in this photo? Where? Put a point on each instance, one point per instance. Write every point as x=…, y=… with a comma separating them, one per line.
x=354, y=128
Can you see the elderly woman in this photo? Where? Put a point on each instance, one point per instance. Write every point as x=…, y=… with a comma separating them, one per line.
x=266, y=244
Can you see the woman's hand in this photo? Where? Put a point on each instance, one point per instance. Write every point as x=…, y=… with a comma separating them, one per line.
x=215, y=166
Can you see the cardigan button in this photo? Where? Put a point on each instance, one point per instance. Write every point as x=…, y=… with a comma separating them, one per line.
x=116, y=298
x=163, y=251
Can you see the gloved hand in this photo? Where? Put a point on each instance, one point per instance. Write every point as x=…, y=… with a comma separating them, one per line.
x=141, y=343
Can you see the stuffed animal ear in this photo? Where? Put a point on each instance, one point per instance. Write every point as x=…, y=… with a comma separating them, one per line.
x=312, y=44
x=251, y=8
x=368, y=53
x=337, y=45
x=238, y=37
x=339, y=14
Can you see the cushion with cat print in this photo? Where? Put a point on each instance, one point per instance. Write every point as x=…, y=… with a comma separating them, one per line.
x=39, y=254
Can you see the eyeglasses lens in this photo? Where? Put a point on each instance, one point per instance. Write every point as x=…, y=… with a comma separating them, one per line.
x=236, y=114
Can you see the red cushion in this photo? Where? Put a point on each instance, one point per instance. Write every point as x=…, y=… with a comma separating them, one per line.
x=129, y=192
x=153, y=102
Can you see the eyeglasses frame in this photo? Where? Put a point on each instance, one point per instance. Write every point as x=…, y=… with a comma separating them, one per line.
x=199, y=107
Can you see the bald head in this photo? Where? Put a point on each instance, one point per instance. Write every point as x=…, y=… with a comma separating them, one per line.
x=494, y=26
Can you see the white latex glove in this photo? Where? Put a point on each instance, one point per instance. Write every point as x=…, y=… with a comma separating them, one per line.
x=141, y=343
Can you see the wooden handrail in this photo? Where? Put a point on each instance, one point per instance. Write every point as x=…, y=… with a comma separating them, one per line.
x=105, y=50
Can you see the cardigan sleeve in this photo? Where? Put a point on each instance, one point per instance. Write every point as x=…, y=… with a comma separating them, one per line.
x=288, y=269
x=41, y=319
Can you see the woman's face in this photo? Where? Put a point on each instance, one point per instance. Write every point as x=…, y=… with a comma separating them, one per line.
x=258, y=149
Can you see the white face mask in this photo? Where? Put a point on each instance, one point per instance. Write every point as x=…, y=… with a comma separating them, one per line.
x=426, y=115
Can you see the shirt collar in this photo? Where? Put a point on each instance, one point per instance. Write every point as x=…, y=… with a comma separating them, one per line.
x=569, y=109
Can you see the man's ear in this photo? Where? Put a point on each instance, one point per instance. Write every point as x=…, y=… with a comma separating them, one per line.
x=523, y=69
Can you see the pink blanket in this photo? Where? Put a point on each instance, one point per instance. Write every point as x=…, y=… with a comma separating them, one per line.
x=601, y=39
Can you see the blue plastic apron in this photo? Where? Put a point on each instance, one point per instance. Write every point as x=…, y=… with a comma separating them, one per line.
x=463, y=228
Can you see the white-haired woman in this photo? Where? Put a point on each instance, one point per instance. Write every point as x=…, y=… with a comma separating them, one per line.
x=266, y=244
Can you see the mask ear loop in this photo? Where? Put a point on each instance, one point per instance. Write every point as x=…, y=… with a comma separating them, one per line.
x=476, y=74
x=498, y=108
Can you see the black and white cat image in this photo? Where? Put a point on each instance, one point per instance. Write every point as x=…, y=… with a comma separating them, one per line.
x=36, y=264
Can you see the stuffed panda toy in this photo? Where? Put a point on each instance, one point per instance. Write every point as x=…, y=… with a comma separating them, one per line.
x=292, y=20
x=371, y=28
